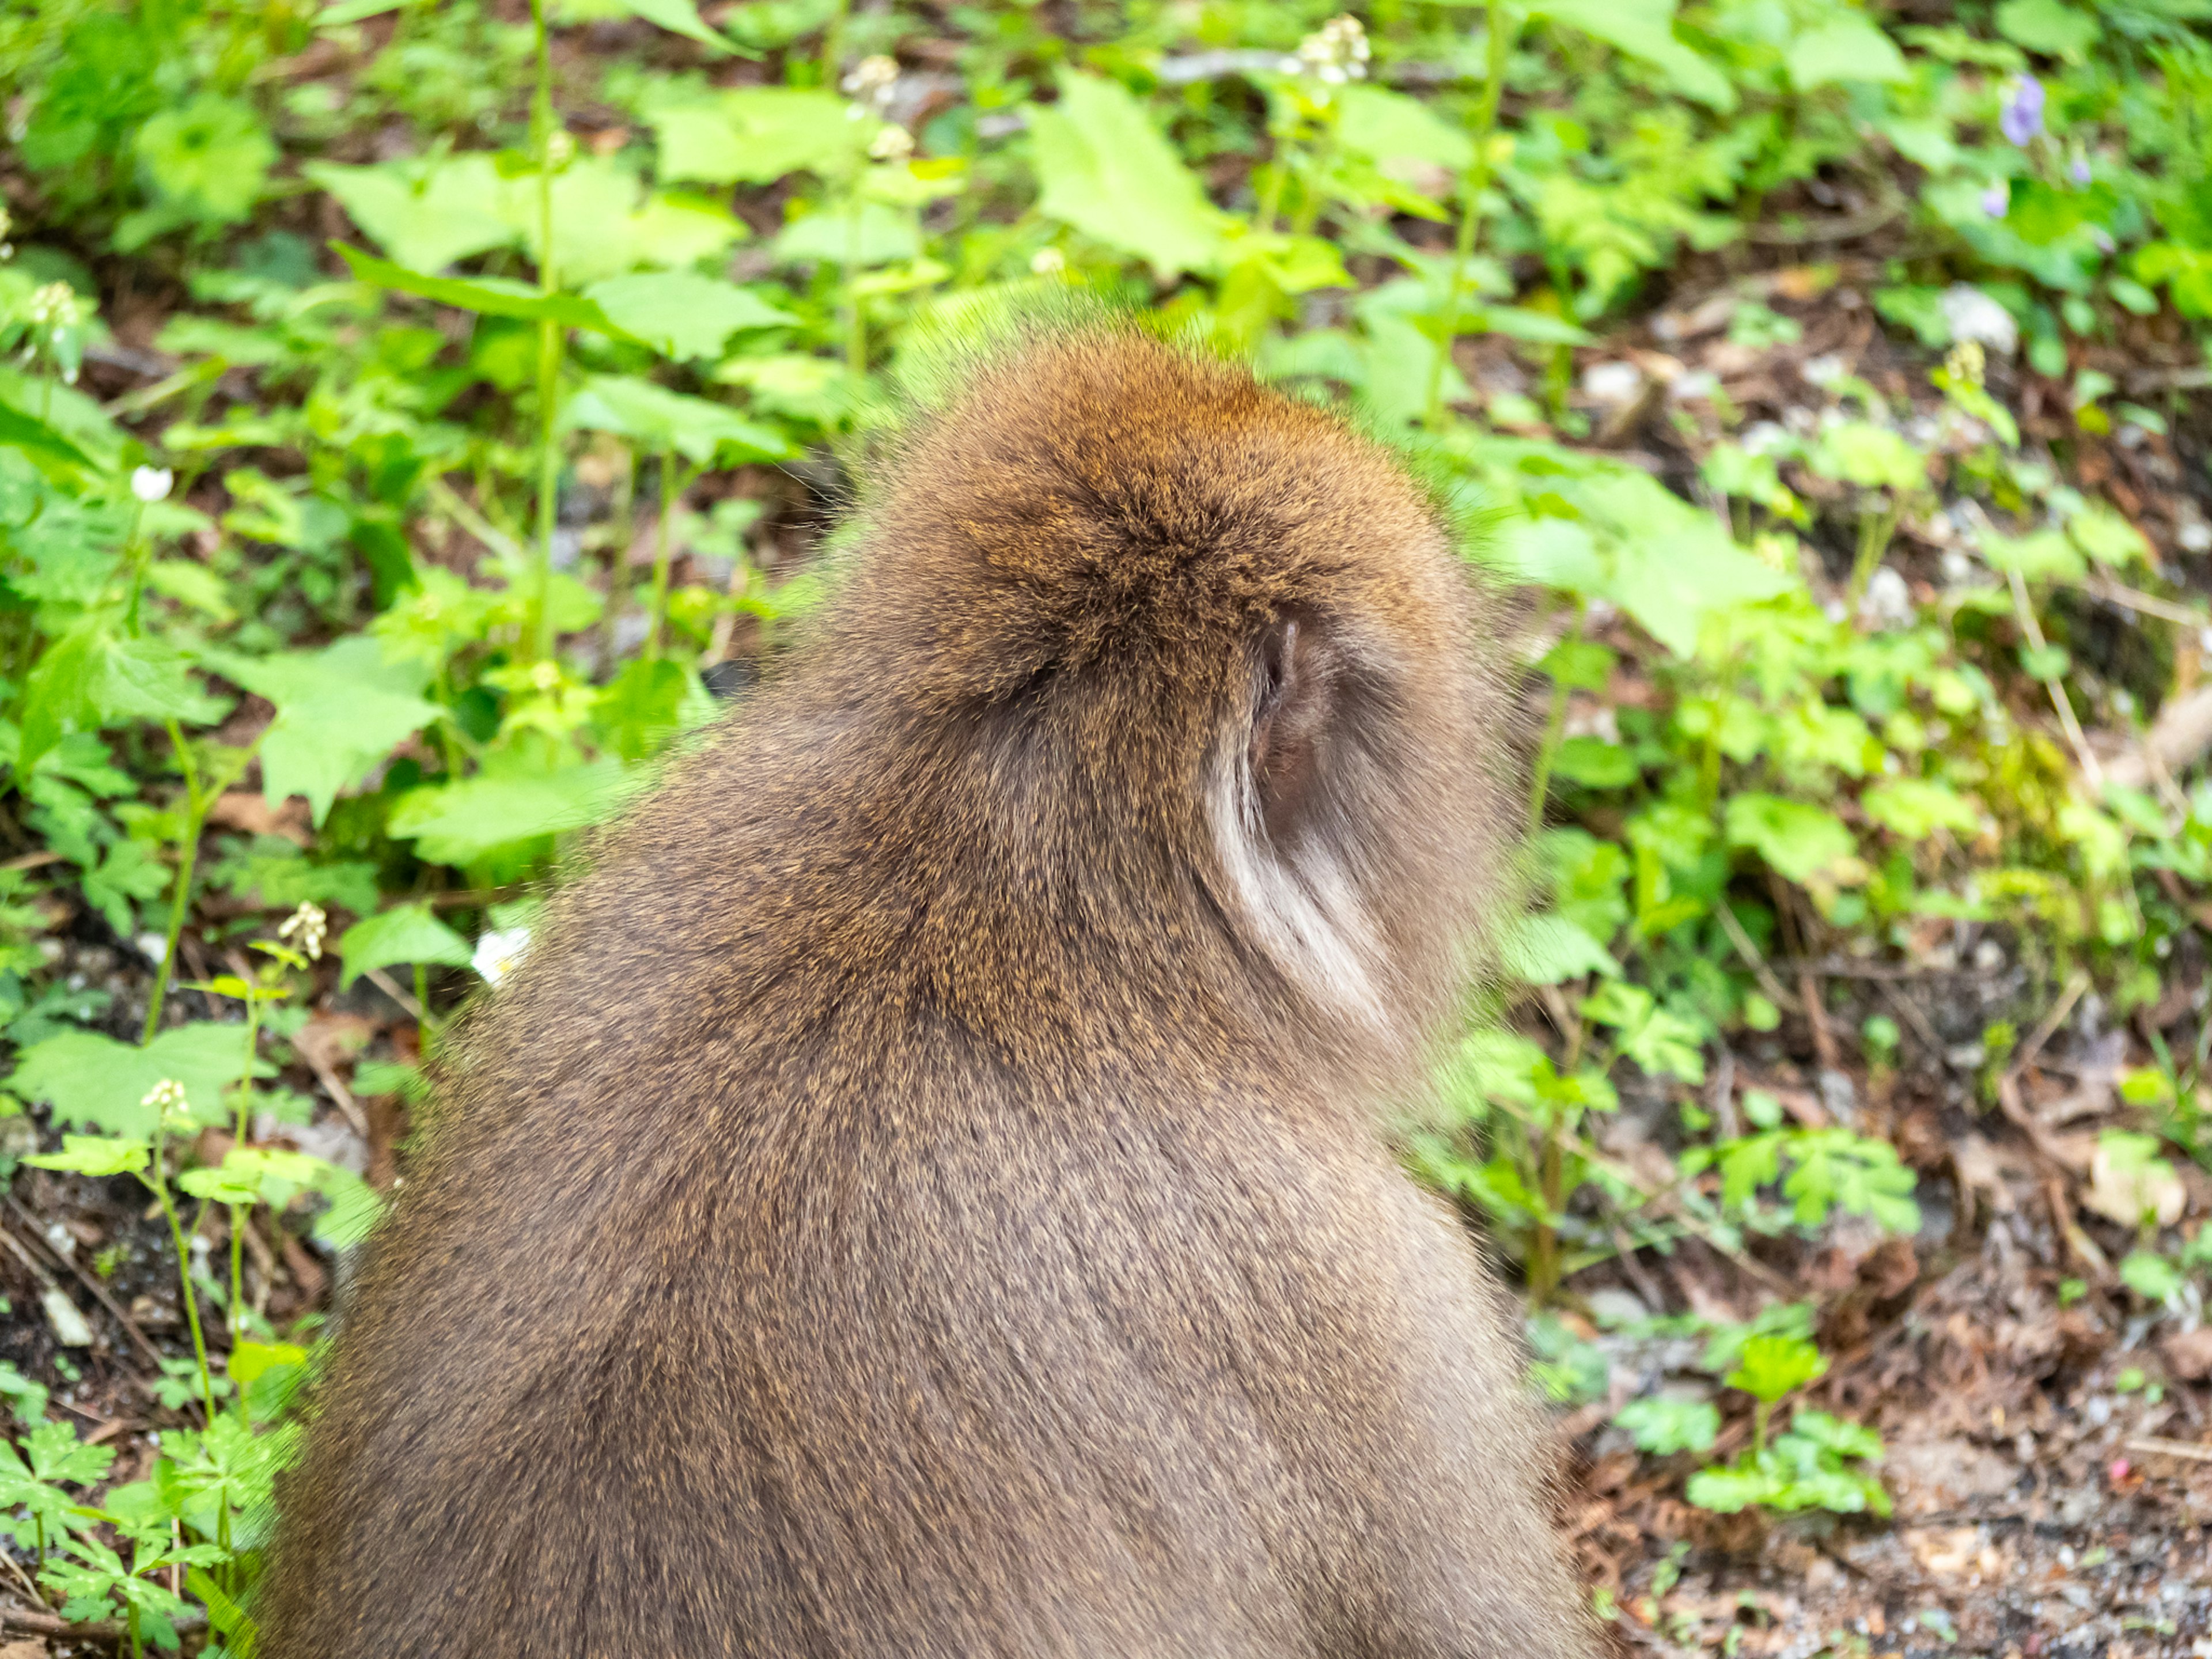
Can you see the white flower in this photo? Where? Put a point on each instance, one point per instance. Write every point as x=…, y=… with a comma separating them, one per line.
x=1047, y=261
x=309, y=923
x=1970, y=314
x=1337, y=51
x=499, y=953
x=872, y=81
x=891, y=144
x=151, y=484
x=165, y=1100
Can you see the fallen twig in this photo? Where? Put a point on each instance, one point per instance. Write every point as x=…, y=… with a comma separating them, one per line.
x=2159, y=1445
x=35, y=1622
x=90, y=1283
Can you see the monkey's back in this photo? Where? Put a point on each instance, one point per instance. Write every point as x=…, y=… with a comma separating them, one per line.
x=898, y=1209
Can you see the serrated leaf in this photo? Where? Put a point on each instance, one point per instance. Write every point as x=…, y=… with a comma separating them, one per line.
x=484, y=295
x=680, y=313
x=1797, y=841
x=1550, y=950
x=93, y=1155
x=459, y=823
x=754, y=134
x=95, y=675
x=426, y=222
x=407, y=934
x=339, y=711
x=697, y=428
x=1663, y=1424
x=91, y=1078
x=1106, y=170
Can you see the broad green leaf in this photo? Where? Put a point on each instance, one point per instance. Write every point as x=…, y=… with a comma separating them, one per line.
x=2107, y=537
x=1847, y=48
x=1872, y=457
x=1915, y=808
x=484, y=295
x=680, y=313
x=424, y=219
x=1550, y=950
x=1646, y=29
x=678, y=17
x=249, y=1359
x=696, y=428
x=1665, y=1424
x=91, y=1078
x=1393, y=130
x=1798, y=841
x=96, y=675
x=1772, y=1366
x=209, y=155
x=1671, y=581
x=339, y=711
x=2041, y=554
x=1728, y=1491
x=756, y=135
x=2050, y=26
x=352, y=1210
x=1596, y=764
x=459, y=823
x=407, y=934
x=1106, y=170
x=26, y=432
x=93, y=1155
x=2150, y=1276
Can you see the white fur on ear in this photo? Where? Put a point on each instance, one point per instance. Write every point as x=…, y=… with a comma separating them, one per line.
x=1301, y=905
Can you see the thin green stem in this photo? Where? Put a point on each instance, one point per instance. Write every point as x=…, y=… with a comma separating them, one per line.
x=1470, y=212
x=159, y=1184
x=552, y=339
x=856, y=320
x=833, y=44
x=237, y=1320
x=1875, y=529
x=140, y=547
x=188, y=849
x=662, y=540
x=1540, y=785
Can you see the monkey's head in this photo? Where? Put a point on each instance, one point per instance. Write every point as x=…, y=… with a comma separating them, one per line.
x=1184, y=646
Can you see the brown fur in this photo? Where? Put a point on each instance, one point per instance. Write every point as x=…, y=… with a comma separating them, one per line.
x=909, y=1203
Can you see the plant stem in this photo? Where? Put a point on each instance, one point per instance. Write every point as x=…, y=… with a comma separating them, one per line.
x=1875, y=529
x=551, y=339
x=1761, y=1411
x=856, y=321
x=188, y=850
x=661, y=538
x=160, y=1185
x=833, y=44
x=1470, y=215
x=1540, y=785
x=238, y=1210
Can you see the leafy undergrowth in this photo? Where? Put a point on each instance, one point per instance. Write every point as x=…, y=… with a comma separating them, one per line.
x=416, y=416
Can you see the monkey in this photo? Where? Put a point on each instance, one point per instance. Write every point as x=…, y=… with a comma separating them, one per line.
x=925, y=1193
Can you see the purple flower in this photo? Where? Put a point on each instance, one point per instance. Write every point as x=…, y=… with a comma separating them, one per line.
x=2079, y=172
x=2021, y=117
x=1996, y=200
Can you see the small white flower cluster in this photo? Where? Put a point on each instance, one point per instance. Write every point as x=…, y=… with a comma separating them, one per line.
x=872, y=85
x=1335, y=52
x=151, y=484
x=307, y=928
x=165, y=1100
x=55, y=305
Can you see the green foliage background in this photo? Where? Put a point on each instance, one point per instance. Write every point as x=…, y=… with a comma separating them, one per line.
x=486, y=347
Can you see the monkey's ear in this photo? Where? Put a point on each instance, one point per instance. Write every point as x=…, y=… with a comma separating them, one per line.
x=1290, y=721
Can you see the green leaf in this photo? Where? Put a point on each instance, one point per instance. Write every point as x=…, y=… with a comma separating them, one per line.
x=339, y=711
x=1915, y=809
x=1646, y=29
x=1596, y=764
x=91, y=1078
x=678, y=17
x=2045, y=553
x=406, y=933
x=1798, y=841
x=352, y=1210
x=95, y=675
x=2050, y=26
x=2150, y=1277
x=425, y=219
x=1833, y=1434
x=1550, y=950
x=1105, y=169
x=1849, y=48
x=1672, y=580
x=1772, y=1366
x=458, y=823
x=484, y=295
x=696, y=428
x=756, y=135
x=680, y=313
x=1388, y=127
x=1665, y=1424
x=92, y=1155
x=1727, y=1491
x=26, y=432
x=209, y=155
x=2106, y=537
